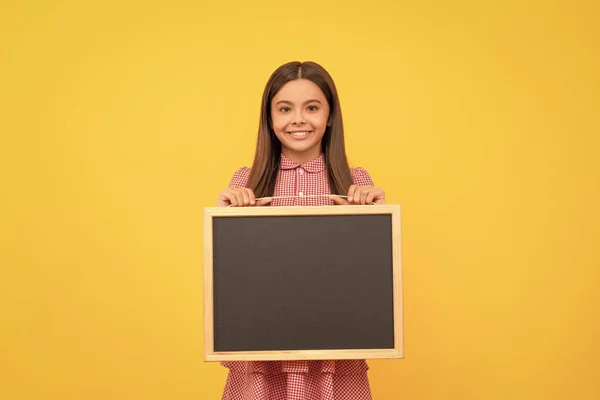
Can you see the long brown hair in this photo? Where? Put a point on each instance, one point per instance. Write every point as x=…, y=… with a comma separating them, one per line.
x=268, y=148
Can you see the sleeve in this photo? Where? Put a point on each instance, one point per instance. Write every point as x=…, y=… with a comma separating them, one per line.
x=361, y=177
x=240, y=178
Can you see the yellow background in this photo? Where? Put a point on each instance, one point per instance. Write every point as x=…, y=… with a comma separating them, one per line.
x=121, y=120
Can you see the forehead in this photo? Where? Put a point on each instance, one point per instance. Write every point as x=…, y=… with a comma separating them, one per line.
x=299, y=90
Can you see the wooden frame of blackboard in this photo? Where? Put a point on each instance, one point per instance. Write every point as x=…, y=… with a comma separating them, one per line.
x=394, y=211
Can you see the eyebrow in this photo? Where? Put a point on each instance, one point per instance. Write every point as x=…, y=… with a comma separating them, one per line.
x=306, y=102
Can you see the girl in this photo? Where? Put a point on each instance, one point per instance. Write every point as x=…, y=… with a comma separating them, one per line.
x=300, y=159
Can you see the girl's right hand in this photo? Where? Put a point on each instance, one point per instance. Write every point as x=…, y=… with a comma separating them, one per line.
x=240, y=197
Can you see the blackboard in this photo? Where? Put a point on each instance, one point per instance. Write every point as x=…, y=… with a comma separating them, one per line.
x=302, y=283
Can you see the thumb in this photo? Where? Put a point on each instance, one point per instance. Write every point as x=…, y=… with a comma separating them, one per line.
x=340, y=201
x=264, y=201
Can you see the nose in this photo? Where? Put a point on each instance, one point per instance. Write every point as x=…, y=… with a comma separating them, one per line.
x=298, y=117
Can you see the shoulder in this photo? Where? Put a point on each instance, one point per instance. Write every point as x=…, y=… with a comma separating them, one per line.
x=240, y=177
x=361, y=177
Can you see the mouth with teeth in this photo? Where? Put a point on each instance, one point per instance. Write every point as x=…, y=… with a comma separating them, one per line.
x=299, y=134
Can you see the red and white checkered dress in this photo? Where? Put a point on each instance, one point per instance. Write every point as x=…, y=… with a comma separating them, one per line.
x=299, y=380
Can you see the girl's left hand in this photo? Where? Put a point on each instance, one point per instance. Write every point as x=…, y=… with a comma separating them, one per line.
x=361, y=195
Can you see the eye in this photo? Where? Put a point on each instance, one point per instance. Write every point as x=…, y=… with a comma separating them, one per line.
x=285, y=109
x=312, y=108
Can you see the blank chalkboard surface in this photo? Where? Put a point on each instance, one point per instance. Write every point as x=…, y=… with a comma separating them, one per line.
x=302, y=283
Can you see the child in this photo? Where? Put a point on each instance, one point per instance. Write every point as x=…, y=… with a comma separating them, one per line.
x=300, y=159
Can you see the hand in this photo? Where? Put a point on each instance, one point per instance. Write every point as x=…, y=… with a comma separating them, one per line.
x=239, y=197
x=361, y=195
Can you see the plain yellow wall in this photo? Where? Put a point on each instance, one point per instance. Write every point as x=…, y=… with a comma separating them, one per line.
x=121, y=120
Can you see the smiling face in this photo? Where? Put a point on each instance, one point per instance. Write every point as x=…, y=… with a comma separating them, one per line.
x=299, y=114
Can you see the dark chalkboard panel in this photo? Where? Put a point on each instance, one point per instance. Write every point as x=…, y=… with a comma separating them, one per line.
x=303, y=282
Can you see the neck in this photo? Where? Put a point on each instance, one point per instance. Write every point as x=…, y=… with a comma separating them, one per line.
x=303, y=157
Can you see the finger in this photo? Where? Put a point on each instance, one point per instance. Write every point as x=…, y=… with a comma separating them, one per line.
x=357, y=195
x=351, y=191
x=363, y=195
x=251, y=196
x=222, y=200
x=264, y=201
x=370, y=197
x=380, y=197
x=239, y=197
x=245, y=196
x=231, y=198
x=340, y=201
